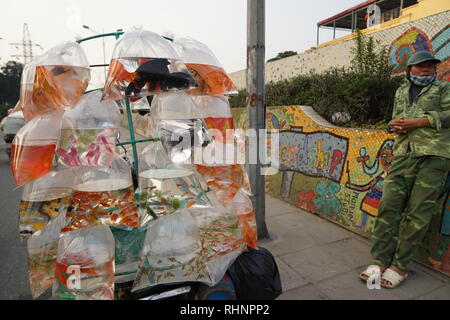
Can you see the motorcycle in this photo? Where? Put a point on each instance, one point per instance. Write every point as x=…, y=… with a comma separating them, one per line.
x=8, y=138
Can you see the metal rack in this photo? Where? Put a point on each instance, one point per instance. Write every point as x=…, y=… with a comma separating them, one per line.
x=133, y=142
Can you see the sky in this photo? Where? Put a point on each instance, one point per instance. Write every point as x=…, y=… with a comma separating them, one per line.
x=220, y=24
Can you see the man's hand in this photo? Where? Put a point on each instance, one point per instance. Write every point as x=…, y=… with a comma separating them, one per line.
x=405, y=125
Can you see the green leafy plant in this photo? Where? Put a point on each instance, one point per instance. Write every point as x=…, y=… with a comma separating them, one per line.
x=365, y=89
x=283, y=55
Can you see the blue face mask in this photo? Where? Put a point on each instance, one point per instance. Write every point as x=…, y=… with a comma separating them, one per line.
x=422, y=81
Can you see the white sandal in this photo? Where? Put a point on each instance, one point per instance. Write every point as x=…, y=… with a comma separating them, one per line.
x=393, y=277
x=370, y=271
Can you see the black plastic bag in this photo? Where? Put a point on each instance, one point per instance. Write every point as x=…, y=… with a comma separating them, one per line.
x=255, y=275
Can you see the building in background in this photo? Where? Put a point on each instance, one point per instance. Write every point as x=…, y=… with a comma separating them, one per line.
x=406, y=26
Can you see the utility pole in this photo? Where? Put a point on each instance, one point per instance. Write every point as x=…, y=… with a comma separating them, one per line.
x=256, y=107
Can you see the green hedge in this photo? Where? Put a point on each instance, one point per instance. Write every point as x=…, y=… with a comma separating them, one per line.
x=365, y=90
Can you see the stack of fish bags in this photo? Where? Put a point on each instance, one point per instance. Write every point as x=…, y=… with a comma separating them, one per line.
x=221, y=163
x=87, y=226
x=189, y=236
x=75, y=186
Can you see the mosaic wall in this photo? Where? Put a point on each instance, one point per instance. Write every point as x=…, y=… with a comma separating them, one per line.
x=414, y=40
x=338, y=173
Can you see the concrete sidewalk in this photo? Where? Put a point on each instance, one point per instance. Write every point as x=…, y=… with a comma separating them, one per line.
x=319, y=260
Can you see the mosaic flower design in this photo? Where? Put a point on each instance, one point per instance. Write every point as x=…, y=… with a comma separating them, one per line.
x=305, y=200
x=326, y=201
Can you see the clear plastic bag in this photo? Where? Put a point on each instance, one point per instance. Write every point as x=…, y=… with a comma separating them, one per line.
x=61, y=76
x=103, y=196
x=42, y=254
x=174, y=106
x=33, y=148
x=164, y=187
x=26, y=89
x=224, y=181
x=179, y=125
x=88, y=133
x=216, y=112
x=85, y=265
x=172, y=252
x=242, y=207
x=195, y=245
x=43, y=200
x=137, y=105
x=219, y=231
x=211, y=77
x=227, y=146
x=144, y=63
x=221, y=239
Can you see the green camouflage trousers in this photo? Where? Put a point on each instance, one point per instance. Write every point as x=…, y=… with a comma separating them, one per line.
x=413, y=192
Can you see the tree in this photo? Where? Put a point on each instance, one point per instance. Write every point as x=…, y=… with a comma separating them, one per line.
x=369, y=57
x=365, y=89
x=283, y=55
x=10, y=75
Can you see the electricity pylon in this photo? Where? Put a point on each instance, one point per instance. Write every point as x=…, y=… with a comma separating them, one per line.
x=27, y=46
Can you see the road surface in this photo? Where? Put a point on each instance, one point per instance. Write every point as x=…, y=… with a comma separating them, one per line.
x=13, y=253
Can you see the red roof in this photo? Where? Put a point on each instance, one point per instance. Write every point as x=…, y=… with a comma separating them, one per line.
x=343, y=13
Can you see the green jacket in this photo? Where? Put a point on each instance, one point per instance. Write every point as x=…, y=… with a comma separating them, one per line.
x=434, y=103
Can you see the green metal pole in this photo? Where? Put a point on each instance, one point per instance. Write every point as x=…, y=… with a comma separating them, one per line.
x=133, y=140
x=132, y=136
x=115, y=34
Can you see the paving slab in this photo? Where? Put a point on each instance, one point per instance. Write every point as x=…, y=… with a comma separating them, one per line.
x=286, y=242
x=348, y=286
x=315, y=264
x=418, y=283
x=295, y=219
x=289, y=278
x=309, y=292
x=276, y=207
x=309, y=226
x=321, y=260
x=353, y=253
x=427, y=270
x=438, y=294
